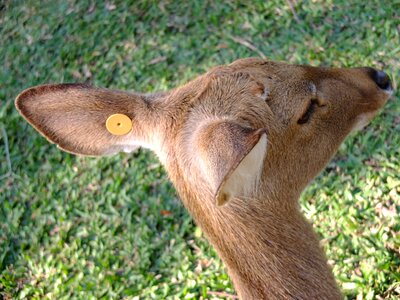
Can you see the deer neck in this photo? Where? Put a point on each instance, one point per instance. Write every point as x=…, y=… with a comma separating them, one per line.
x=270, y=252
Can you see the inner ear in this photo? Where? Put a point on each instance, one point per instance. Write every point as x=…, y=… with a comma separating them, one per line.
x=231, y=157
x=244, y=179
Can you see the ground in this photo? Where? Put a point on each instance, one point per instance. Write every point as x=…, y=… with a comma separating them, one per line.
x=113, y=228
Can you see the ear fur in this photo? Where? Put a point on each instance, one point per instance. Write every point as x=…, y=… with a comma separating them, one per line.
x=73, y=116
x=231, y=157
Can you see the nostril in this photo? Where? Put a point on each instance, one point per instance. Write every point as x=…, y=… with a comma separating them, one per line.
x=381, y=79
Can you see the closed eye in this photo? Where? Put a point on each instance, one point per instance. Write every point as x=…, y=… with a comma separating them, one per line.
x=308, y=113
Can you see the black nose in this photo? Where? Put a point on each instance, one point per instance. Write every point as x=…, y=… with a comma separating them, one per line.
x=381, y=79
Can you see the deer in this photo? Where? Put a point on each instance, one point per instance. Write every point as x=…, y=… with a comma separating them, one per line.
x=240, y=143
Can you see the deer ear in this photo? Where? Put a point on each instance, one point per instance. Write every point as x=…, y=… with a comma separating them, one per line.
x=74, y=116
x=231, y=158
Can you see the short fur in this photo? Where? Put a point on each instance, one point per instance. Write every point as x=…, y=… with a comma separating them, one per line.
x=204, y=131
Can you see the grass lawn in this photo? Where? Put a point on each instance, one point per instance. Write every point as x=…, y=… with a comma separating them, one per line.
x=113, y=228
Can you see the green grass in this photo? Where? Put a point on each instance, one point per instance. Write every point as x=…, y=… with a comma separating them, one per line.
x=113, y=228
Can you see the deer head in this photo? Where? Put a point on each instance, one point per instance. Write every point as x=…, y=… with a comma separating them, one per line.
x=240, y=143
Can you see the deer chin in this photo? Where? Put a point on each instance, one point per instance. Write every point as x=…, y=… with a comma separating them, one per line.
x=362, y=121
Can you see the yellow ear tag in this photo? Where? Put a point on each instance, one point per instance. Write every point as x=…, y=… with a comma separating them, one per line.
x=119, y=124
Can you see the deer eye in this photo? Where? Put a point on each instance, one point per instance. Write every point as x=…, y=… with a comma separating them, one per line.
x=308, y=113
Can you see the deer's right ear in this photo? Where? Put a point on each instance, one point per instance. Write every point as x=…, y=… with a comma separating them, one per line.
x=231, y=158
x=74, y=116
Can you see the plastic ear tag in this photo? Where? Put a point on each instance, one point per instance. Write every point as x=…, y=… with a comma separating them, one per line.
x=119, y=124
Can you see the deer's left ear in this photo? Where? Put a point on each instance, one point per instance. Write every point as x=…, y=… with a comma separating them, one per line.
x=75, y=117
x=231, y=158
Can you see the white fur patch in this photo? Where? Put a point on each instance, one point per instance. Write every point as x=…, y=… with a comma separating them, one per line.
x=265, y=94
x=130, y=144
x=313, y=88
x=362, y=121
x=244, y=180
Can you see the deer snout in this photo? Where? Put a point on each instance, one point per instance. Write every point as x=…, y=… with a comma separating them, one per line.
x=381, y=79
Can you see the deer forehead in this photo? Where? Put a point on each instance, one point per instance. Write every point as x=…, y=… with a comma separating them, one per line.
x=247, y=94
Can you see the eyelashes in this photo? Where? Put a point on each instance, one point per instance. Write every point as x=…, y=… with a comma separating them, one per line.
x=309, y=112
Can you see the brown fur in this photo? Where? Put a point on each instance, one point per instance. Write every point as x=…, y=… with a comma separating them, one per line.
x=208, y=133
